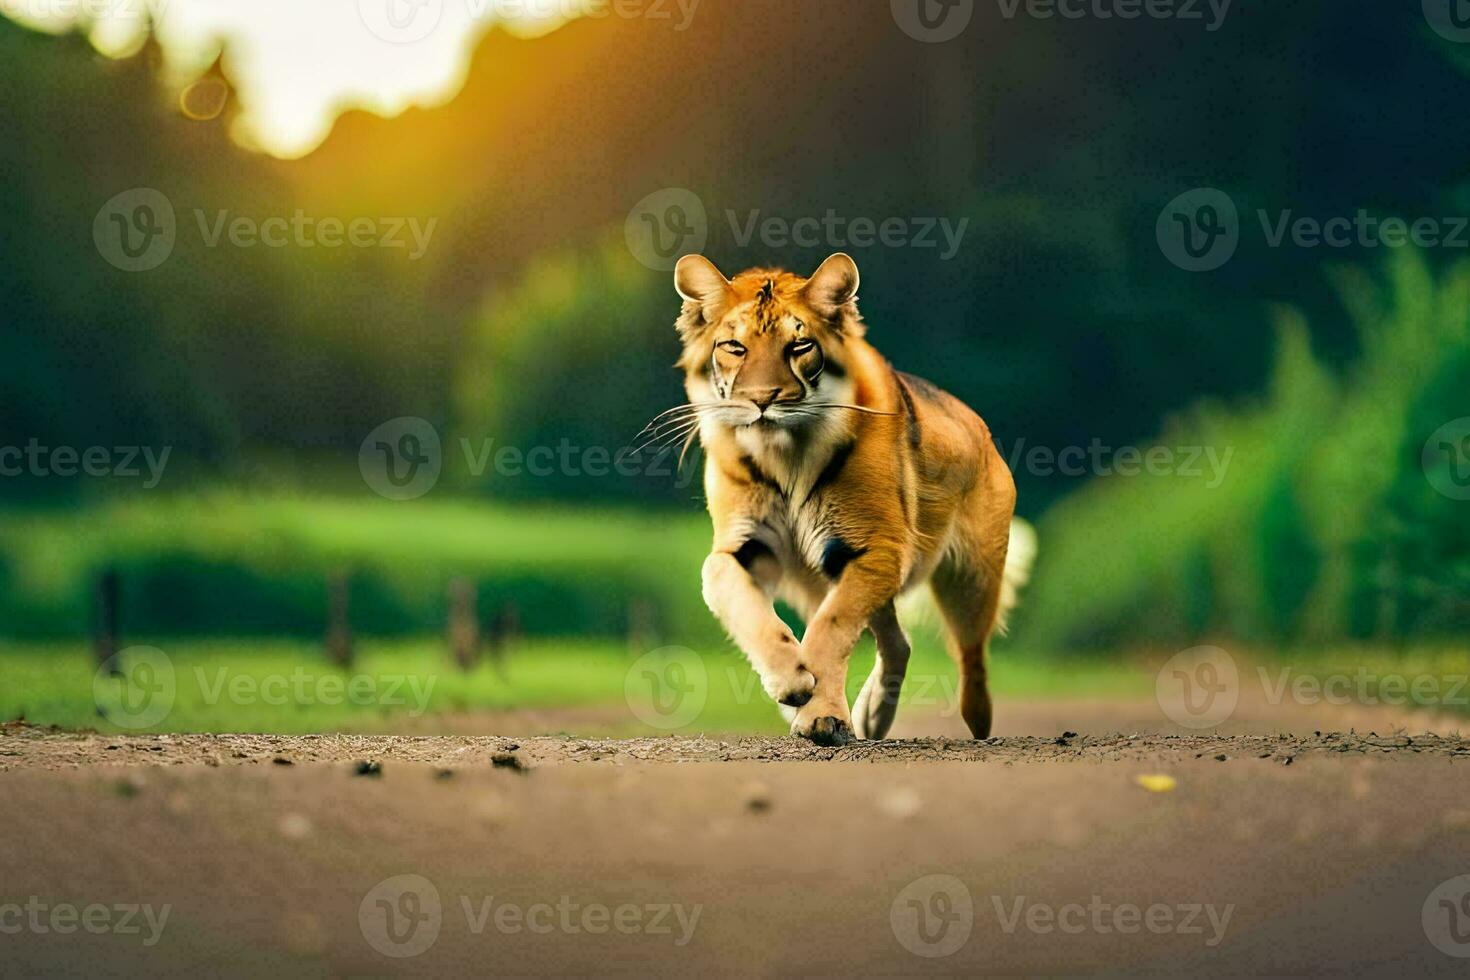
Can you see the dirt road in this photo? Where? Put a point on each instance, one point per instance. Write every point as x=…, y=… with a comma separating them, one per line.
x=1154, y=852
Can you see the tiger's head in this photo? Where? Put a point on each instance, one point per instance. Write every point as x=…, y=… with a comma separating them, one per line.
x=767, y=351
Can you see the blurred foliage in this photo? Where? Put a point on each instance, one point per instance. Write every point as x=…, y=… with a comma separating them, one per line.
x=1326, y=525
x=529, y=324
x=231, y=565
x=577, y=683
x=587, y=374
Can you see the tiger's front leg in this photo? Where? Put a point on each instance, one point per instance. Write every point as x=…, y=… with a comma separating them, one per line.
x=735, y=595
x=868, y=583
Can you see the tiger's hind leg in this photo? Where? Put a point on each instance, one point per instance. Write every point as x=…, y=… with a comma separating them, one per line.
x=969, y=599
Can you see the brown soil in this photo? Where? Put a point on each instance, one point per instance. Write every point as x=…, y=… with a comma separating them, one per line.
x=1315, y=853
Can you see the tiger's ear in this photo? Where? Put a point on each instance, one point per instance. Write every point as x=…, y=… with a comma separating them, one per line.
x=698, y=281
x=834, y=284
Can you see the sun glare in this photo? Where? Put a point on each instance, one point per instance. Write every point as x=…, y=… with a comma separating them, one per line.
x=296, y=65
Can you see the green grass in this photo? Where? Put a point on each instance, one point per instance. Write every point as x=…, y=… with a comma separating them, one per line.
x=229, y=686
x=233, y=564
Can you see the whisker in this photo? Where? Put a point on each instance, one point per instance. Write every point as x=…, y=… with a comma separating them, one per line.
x=689, y=441
x=677, y=433
x=691, y=408
x=859, y=408
x=655, y=432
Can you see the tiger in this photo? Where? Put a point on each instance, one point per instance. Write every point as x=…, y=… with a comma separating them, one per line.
x=835, y=483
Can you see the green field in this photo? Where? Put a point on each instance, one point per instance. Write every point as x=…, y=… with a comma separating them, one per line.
x=232, y=589
x=239, y=564
x=286, y=687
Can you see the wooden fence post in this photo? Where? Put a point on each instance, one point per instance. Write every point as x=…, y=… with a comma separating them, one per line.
x=106, y=628
x=339, y=627
x=642, y=626
x=464, y=624
x=505, y=630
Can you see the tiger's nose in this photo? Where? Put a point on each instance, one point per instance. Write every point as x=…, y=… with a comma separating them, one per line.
x=763, y=401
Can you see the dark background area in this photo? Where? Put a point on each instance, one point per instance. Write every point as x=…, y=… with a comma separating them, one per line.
x=1059, y=319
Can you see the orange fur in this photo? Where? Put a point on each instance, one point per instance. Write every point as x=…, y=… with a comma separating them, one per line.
x=836, y=483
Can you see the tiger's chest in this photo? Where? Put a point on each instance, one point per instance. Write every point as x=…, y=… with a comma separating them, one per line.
x=802, y=520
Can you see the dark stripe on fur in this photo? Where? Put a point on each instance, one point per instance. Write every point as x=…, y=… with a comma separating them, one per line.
x=832, y=470
x=758, y=475
x=837, y=554
x=926, y=390
x=908, y=408
x=750, y=551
